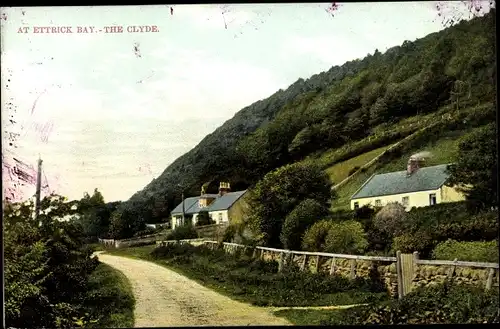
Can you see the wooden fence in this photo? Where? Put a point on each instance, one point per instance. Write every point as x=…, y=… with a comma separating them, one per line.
x=406, y=264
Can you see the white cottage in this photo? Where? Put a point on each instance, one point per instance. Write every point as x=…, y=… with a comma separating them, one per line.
x=222, y=207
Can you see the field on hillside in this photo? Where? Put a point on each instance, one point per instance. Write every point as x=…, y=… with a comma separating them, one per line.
x=442, y=150
x=340, y=171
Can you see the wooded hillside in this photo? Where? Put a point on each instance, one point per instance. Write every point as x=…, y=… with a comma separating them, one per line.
x=332, y=109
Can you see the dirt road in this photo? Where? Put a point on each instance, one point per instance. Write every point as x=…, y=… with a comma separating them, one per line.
x=165, y=298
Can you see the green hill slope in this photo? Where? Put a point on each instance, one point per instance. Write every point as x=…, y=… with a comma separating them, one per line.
x=336, y=115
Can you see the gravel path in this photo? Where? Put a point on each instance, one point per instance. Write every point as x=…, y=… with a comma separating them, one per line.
x=166, y=298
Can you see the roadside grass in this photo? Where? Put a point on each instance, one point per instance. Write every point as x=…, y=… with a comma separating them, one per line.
x=110, y=298
x=257, y=282
x=442, y=149
x=313, y=317
x=340, y=171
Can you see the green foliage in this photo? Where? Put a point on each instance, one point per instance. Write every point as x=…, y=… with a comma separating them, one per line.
x=439, y=304
x=315, y=236
x=110, y=299
x=95, y=215
x=425, y=227
x=183, y=232
x=279, y=192
x=473, y=251
x=204, y=219
x=298, y=220
x=257, y=281
x=477, y=166
x=390, y=219
x=347, y=237
x=47, y=266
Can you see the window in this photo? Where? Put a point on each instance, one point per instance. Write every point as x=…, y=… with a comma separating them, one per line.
x=378, y=203
x=432, y=199
x=220, y=217
x=406, y=201
x=356, y=205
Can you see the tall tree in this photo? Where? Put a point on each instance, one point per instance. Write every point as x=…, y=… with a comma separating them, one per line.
x=476, y=169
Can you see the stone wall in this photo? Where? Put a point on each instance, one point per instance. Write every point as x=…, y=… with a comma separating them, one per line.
x=423, y=275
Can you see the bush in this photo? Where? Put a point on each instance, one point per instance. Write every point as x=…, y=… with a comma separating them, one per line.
x=437, y=304
x=475, y=251
x=390, y=219
x=304, y=215
x=183, y=232
x=204, y=219
x=425, y=227
x=408, y=243
x=229, y=233
x=315, y=236
x=346, y=237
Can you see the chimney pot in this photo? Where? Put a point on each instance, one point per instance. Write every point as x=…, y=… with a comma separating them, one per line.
x=412, y=166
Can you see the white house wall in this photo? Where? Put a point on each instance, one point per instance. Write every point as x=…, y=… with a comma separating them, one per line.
x=219, y=216
x=416, y=199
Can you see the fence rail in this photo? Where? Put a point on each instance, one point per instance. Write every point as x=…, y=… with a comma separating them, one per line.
x=456, y=263
x=405, y=264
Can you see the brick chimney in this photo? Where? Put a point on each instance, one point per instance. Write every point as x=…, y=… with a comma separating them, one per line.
x=413, y=166
x=224, y=188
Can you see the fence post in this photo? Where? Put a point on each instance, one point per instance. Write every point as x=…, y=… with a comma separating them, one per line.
x=254, y=254
x=353, y=269
x=317, y=263
x=451, y=272
x=280, y=264
x=399, y=274
x=332, y=266
x=415, y=266
x=489, y=282
x=303, y=265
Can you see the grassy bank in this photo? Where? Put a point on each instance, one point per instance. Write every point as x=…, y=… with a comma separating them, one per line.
x=255, y=281
x=110, y=298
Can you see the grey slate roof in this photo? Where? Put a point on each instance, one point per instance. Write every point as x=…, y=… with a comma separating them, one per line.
x=424, y=179
x=224, y=202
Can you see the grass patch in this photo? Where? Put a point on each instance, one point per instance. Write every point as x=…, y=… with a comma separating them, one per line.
x=312, y=317
x=340, y=171
x=110, y=298
x=257, y=282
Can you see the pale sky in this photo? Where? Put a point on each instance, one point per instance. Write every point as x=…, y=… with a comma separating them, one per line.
x=118, y=120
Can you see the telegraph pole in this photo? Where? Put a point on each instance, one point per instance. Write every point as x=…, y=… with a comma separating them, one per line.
x=38, y=187
x=183, y=211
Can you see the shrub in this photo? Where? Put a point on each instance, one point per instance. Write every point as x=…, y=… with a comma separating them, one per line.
x=346, y=237
x=204, y=219
x=437, y=304
x=314, y=237
x=300, y=218
x=475, y=251
x=229, y=233
x=408, y=243
x=183, y=232
x=390, y=219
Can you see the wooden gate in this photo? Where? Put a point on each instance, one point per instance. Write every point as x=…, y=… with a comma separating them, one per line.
x=405, y=271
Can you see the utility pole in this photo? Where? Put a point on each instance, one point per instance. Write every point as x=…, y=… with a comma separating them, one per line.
x=38, y=187
x=183, y=211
